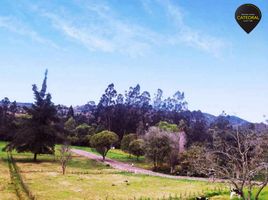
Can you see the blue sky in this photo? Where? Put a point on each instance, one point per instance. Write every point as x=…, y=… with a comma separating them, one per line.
x=192, y=46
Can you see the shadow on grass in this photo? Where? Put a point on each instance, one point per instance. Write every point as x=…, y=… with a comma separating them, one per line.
x=87, y=164
x=30, y=160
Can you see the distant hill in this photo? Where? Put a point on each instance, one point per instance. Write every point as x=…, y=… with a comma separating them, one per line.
x=20, y=104
x=233, y=120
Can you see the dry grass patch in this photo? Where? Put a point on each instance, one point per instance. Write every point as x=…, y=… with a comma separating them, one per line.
x=87, y=179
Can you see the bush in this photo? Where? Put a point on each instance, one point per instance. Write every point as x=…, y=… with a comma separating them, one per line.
x=136, y=147
x=103, y=142
x=127, y=139
x=165, y=126
x=84, y=129
x=157, y=146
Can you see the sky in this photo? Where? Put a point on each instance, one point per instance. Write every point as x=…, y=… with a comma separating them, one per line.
x=191, y=46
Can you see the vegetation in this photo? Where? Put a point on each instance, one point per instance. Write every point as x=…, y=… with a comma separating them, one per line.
x=241, y=161
x=7, y=189
x=103, y=142
x=165, y=137
x=88, y=178
x=37, y=133
x=127, y=139
x=165, y=126
x=65, y=156
x=157, y=146
x=136, y=147
x=119, y=155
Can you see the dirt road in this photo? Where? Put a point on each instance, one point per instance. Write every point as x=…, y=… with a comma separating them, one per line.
x=129, y=168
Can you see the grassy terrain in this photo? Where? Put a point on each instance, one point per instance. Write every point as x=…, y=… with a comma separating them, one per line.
x=7, y=190
x=122, y=156
x=87, y=179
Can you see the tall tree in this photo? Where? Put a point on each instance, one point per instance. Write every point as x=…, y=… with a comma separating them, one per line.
x=70, y=112
x=37, y=134
x=158, y=99
x=133, y=95
x=106, y=105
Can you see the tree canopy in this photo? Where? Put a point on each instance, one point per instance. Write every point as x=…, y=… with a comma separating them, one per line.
x=37, y=133
x=103, y=142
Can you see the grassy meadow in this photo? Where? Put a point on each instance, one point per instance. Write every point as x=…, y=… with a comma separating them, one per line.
x=119, y=155
x=87, y=179
x=7, y=190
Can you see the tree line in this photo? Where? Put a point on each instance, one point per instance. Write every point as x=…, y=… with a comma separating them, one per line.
x=174, y=139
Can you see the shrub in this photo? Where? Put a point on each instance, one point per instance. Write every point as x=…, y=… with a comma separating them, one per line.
x=136, y=147
x=127, y=139
x=103, y=142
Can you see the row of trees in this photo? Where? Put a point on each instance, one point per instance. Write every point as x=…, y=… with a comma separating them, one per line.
x=7, y=118
x=164, y=131
x=37, y=131
x=135, y=112
x=240, y=156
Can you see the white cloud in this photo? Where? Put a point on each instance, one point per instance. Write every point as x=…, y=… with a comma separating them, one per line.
x=13, y=25
x=104, y=31
x=191, y=36
x=99, y=27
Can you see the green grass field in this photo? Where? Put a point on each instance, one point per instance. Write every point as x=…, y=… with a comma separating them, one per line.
x=122, y=156
x=87, y=179
x=7, y=190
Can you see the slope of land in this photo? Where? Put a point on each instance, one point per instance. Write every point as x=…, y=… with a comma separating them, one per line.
x=89, y=179
x=131, y=168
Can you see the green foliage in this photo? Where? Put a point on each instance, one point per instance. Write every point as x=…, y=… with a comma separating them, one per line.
x=165, y=126
x=188, y=159
x=78, y=135
x=103, y=142
x=73, y=139
x=127, y=139
x=84, y=133
x=37, y=135
x=70, y=125
x=7, y=119
x=136, y=147
x=84, y=129
x=157, y=146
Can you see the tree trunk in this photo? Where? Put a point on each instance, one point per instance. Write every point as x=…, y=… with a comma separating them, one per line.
x=155, y=164
x=261, y=188
x=35, y=157
x=249, y=195
x=63, y=170
x=171, y=169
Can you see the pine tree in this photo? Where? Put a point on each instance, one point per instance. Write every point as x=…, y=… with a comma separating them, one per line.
x=37, y=133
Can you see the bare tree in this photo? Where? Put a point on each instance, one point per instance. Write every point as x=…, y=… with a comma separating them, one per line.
x=64, y=157
x=238, y=156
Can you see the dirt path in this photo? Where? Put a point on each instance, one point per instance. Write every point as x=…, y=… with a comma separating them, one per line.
x=129, y=168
